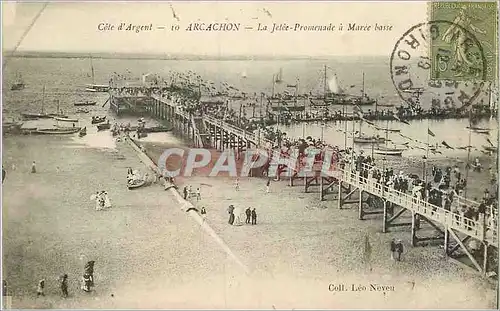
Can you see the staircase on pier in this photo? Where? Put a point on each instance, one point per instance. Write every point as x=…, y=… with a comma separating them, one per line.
x=202, y=136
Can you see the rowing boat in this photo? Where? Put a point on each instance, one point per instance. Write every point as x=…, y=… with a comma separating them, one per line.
x=139, y=184
x=103, y=126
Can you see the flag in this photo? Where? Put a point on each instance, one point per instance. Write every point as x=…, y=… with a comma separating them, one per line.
x=430, y=132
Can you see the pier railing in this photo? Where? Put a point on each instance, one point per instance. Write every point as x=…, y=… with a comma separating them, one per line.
x=479, y=229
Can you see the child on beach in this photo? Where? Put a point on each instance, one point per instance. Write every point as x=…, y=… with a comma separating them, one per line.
x=198, y=194
x=40, y=288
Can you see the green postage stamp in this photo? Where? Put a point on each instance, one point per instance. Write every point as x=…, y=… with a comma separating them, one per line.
x=466, y=45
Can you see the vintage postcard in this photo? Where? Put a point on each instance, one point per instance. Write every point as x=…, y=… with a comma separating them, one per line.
x=253, y=154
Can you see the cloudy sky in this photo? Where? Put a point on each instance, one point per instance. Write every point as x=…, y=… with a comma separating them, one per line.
x=72, y=27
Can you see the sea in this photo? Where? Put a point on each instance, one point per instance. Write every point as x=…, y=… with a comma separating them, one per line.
x=61, y=81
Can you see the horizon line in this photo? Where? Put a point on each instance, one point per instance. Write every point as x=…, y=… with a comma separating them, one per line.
x=166, y=56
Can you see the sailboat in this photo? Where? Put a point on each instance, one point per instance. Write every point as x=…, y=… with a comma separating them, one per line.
x=385, y=150
x=361, y=139
x=18, y=84
x=95, y=87
x=279, y=76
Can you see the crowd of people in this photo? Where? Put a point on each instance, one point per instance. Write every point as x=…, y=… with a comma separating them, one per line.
x=445, y=189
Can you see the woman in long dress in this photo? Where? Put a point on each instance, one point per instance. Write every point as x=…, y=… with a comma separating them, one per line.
x=107, y=201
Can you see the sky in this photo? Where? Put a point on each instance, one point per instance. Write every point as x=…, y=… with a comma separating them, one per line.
x=73, y=27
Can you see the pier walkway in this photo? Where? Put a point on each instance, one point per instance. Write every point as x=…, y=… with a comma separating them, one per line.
x=207, y=131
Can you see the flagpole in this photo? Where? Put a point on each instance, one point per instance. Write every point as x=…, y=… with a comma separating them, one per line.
x=426, y=154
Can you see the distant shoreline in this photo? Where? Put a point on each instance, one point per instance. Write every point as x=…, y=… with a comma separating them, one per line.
x=27, y=54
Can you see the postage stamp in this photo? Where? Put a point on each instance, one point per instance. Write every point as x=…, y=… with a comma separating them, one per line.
x=411, y=67
x=455, y=52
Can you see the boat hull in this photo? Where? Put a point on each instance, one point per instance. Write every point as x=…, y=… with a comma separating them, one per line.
x=56, y=131
x=85, y=104
x=136, y=186
x=389, y=151
x=101, y=127
x=362, y=140
x=66, y=119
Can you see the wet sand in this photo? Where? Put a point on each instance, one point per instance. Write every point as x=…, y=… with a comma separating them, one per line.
x=150, y=254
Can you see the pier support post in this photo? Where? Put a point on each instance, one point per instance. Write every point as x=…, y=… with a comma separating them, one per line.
x=360, y=205
x=339, y=199
x=485, y=258
x=384, y=222
x=413, y=228
x=446, y=241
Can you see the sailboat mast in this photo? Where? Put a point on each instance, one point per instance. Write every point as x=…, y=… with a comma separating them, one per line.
x=92, y=69
x=272, y=94
x=43, y=97
x=363, y=86
x=324, y=87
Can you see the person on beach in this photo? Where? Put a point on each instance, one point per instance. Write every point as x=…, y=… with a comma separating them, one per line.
x=268, y=185
x=107, y=201
x=86, y=282
x=393, y=249
x=203, y=213
x=248, y=213
x=198, y=194
x=185, y=192
x=189, y=191
x=230, y=210
x=4, y=288
x=40, y=288
x=33, y=167
x=254, y=217
x=237, y=184
x=399, y=250
x=64, y=286
x=237, y=217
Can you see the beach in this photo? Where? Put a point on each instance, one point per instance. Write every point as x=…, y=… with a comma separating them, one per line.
x=150, y=254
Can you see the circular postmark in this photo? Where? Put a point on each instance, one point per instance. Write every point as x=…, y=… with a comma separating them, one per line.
x=439, y=64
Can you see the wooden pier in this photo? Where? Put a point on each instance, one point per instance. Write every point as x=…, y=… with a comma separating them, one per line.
x=454, y=231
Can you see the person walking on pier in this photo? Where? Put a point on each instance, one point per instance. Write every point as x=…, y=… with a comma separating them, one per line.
x=399, y=249
x=254, y=217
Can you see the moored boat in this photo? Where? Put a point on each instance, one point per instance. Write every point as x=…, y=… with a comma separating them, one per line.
x=85, y=103
x=56, y=131
x=82, y=110
x=479, y=130
x=18, y=84
x=83, y=132
x=32, y=116
x=389, y=151
x=103, y=126
x=368, y=140
x=96, y=120
x=136, y=184
x=66, y=119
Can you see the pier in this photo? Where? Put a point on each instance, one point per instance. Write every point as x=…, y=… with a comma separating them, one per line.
x=454, y=231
